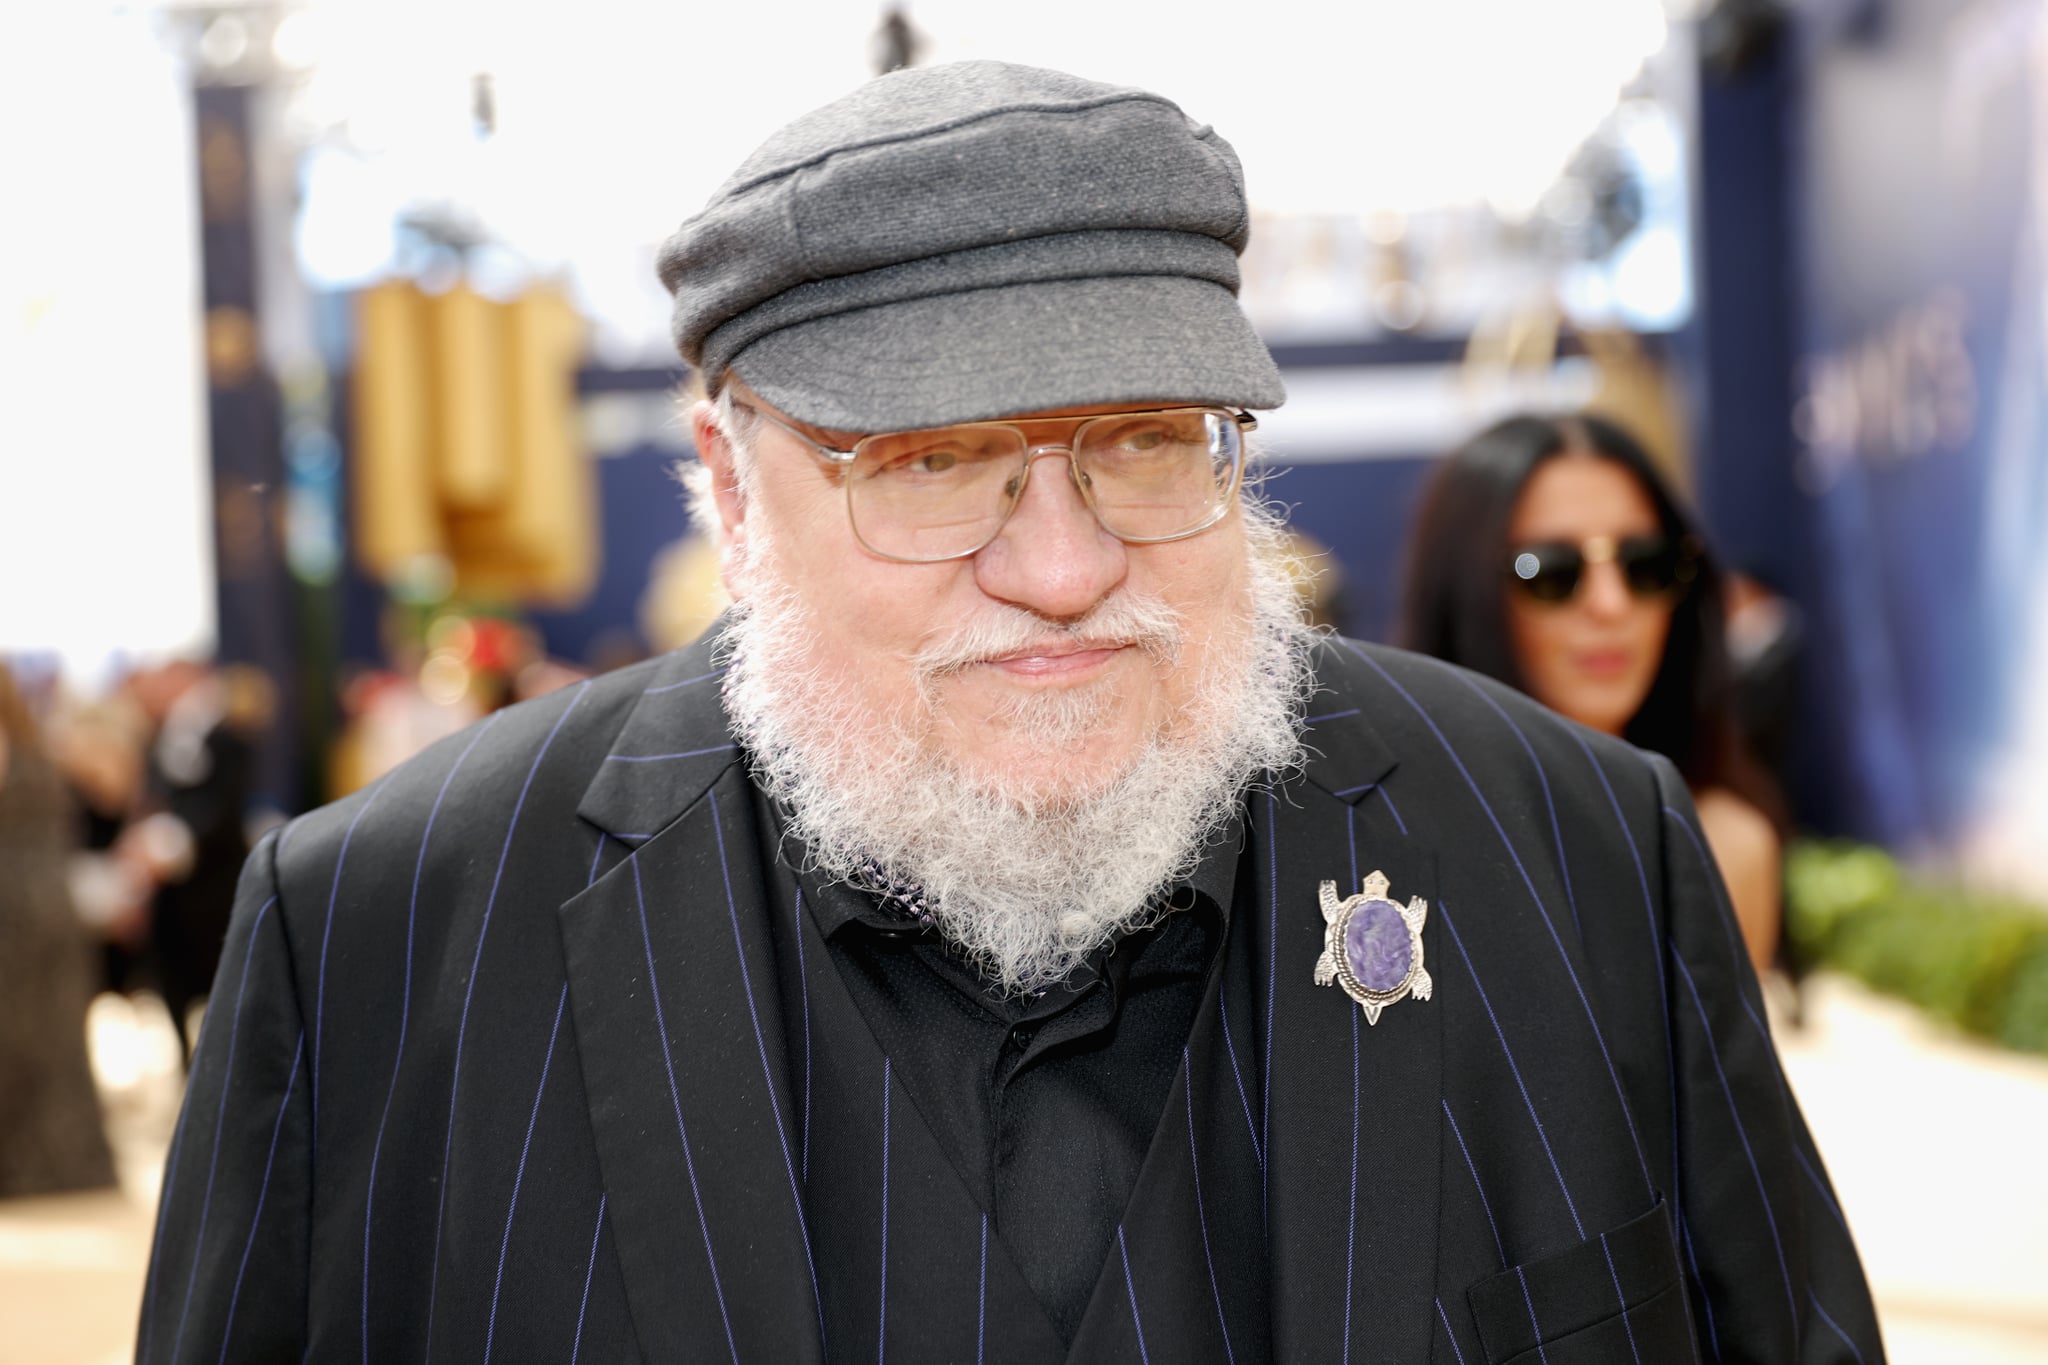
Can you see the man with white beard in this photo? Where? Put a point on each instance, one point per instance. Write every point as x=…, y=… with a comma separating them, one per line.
x=1058, y=729
x=1012, y=936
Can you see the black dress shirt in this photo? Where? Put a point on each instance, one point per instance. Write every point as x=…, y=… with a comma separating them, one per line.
x=1045, y=1104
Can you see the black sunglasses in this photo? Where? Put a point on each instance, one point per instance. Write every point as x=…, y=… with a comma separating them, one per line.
x=1652, y=566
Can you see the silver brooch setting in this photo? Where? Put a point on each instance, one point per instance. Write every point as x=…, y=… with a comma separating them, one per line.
x=1372, y=946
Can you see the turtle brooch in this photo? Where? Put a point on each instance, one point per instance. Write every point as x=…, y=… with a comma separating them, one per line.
x=1372, y=946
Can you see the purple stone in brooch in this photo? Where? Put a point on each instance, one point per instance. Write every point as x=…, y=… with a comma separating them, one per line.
x=1373, y=947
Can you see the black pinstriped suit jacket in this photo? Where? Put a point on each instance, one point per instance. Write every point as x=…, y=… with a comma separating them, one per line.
x=498, y=1067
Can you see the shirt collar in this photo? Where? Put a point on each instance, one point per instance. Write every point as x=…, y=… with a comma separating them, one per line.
x=1215, y=876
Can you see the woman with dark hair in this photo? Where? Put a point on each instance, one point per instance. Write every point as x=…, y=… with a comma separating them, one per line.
x=1549, y=553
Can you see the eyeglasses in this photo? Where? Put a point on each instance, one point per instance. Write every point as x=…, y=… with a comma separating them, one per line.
x=920, y=497
x=1652, y=566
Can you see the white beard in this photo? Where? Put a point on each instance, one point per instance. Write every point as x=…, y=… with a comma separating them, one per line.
x=1026, y=881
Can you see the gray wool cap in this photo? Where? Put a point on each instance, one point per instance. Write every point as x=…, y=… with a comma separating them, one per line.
x=954, y=243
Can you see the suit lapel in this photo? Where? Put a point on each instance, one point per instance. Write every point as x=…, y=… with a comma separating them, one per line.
x=1299, y=1147
x=673, y=746
x=680, y=1038
x=1352, y=1161
x=1353, y=1158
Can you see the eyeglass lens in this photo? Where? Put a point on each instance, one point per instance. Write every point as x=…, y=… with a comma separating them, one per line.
x=1650, y=565
x=938, y=494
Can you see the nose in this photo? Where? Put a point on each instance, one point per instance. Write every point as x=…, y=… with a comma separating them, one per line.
x=1052, y=556
x=1605, y=593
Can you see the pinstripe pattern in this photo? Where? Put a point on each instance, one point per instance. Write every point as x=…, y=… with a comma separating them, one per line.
x=1564, y=866
x=1449, y=1335
x=1392, y=809
x=1351, y=1206
x=326, y=933
x=767, y=1069
x=1738, y=954
x=1835, y=1327
x=590, y=1273
x=405, y=1009
x=519, y=1177
x=1650, y=919
x=1351, y=844
x=669, y=758
x=1705, y=864
x=1621, y=1299
x=1466, y=1152
x=1748, y=1152
x=1202, y=1213
x=213, y=1157
x=1523, y=1279
x=488, y=1239
x=1820, y=1187
x=682, y=1132
x=1592, y=1021
x=1657, y=947
x=1635, y=856
x=803, y=979
x=1692, y=1265
x=1272, y=974
x=882, y=1318
x=1237, y=1075
x=163, y=1212
x=468, y=995
x=686, y=682
x=262, y=1192
x=1131, y=1291
x=1443, y=910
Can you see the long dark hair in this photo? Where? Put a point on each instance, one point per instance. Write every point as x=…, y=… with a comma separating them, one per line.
x=1454, y=604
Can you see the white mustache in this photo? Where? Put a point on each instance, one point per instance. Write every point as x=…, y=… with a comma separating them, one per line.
x=1124, y=619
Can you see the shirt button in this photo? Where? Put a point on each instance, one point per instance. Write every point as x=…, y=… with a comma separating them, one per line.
x=1022, y=1034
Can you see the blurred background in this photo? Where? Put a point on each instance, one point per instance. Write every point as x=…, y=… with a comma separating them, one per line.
x=341, y=409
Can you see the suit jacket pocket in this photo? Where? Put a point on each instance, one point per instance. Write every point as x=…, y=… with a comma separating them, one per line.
x=1614, y=1298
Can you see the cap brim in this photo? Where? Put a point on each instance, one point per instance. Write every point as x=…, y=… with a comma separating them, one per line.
x=990, y=353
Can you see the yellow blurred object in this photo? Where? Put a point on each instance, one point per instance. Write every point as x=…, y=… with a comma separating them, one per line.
x=1633, y=389
x=685, y=593
x=397, y=517
x=556, y=511
x=466, y=347
x=541, y=538
x=467, y=407
x=1636, y=393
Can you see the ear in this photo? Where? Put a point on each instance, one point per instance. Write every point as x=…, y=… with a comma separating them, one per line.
x=720, y=462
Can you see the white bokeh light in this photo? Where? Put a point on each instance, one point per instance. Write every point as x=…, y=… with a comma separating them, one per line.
x=620, y=118
x=105, y=540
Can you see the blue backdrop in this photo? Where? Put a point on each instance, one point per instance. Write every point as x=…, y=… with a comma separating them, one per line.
x=1921, y=452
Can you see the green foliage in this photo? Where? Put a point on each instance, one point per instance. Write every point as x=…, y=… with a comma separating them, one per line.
x=2025, y=1025
x=1977, y=960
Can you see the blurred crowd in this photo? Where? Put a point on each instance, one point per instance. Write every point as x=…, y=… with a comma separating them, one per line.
x=124, y=820
x=125, y=817
x=444, y=673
